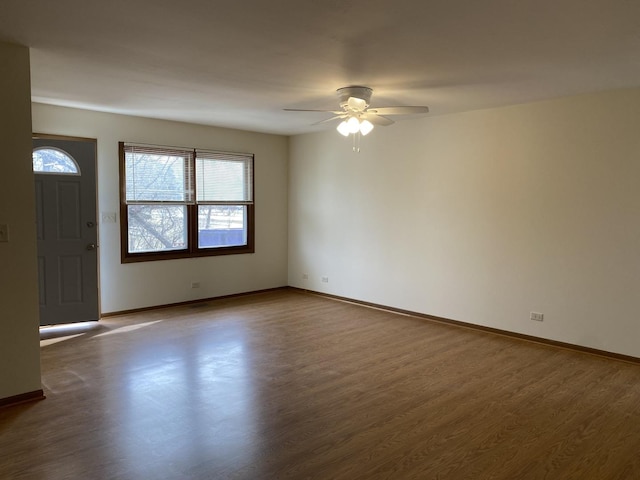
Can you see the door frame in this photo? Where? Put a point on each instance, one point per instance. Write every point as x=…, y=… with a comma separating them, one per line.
x=49, y=136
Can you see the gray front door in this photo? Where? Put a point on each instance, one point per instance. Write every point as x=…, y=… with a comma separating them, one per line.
x=65, y=186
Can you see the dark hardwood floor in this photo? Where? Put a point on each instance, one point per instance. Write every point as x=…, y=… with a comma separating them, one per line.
x=288, y=385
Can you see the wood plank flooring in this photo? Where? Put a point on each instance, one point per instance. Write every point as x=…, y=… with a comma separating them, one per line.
x=288, y=385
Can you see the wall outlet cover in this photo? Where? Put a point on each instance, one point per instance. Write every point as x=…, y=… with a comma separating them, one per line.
x=536, y=316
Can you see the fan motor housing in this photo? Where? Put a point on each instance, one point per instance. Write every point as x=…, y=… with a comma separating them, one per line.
x=363, y=93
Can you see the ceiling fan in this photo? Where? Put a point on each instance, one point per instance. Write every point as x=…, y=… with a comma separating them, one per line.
x=358, y=118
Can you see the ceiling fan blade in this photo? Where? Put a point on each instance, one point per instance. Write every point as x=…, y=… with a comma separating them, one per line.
x=356, y=104
x=335, y=112
x=378, y=119
x=326, y=120
x=398, y=110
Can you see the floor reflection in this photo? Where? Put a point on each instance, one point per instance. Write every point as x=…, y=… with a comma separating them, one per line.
x=128, y=328
x=188, y=406
x=68, y=329
x=52, y=334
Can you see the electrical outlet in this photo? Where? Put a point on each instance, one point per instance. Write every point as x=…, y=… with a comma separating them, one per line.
x=195, y=284
x=325, y=279
x=4, y=232
x=538, y=317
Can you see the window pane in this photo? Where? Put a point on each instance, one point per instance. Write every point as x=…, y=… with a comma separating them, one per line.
x=222, y=226
x=156, y=228
x=52, y=160
x=156, y=177
x=223, y=180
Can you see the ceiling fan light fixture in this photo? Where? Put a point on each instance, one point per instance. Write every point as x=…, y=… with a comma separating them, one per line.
x=353, y=124
x=356, y=118
x=343, y=128
x=365, y=127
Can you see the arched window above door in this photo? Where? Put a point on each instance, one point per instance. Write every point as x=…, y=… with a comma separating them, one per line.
x=54, y=160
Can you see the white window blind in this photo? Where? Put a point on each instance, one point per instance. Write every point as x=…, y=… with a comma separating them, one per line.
x=224, y=178
x=158, y=174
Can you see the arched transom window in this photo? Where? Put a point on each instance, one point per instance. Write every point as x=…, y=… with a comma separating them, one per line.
x=54, y=160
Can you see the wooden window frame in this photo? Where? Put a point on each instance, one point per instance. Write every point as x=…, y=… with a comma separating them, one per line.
x=192, y=250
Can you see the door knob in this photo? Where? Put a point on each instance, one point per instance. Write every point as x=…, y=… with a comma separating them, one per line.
x=91, y=246
x=91, y=224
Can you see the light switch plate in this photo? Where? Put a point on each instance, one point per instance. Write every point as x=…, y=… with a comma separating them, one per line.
x=108, y=217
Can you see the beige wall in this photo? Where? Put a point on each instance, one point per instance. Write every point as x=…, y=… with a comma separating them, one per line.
x=19, y=347
x=130, y=286
x=482, y=217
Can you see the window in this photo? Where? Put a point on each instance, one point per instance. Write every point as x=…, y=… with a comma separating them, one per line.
x=53, y=160
x=178, y=202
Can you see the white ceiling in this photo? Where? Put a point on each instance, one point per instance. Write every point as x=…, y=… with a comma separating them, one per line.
x=239, y=63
